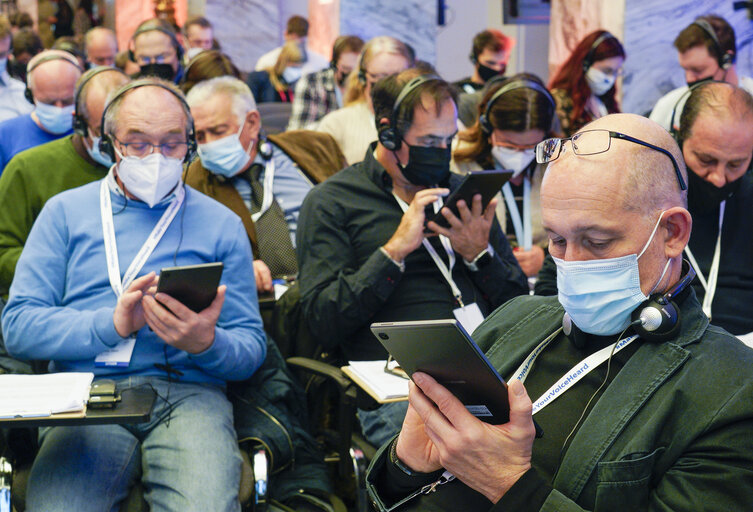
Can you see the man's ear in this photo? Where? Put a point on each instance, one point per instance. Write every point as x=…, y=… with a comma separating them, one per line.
x=678, y=224
x=253, y=119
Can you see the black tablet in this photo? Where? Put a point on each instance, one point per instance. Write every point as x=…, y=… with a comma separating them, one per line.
x=442, y=349
x=486, y=183
x=195, y=286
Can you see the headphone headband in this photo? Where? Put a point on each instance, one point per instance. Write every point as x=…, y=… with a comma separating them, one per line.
x=70, y=59
x=79, y=123
x=724, y=59
x=106, y=145
x=157, y=28
x=518, y=83
x=389, y=133
x=588, y=60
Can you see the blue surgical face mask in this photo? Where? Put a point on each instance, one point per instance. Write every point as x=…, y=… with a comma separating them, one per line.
x=96, y=154
x=599, y=295
x=3, y=65
x=226, y=156
x=57, y=120
x=599, y=82
x=291, y=74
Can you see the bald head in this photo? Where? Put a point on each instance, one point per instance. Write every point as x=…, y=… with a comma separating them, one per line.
x=93, y=94
x=101, y=46
x=52, y=77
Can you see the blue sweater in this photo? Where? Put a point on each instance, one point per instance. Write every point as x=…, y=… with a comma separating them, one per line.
x=61, y=304
x=19, y=134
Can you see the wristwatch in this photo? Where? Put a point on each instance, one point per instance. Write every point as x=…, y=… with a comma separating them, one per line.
x=483, y=259
x=395, y=460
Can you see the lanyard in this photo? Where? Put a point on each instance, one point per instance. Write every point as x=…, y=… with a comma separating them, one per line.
x=111, y=249
x=269, y=178
x=523, y=231
x=443, y=269
x=710, y=284
x=570, y=377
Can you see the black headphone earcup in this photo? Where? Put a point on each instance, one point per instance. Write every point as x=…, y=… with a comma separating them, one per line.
x=486, y=126
x=575, y=335
x=658, y=321
x=106, y=147
x=79, y=125
x=362, y=76
x=389, y=138
x=29, y=95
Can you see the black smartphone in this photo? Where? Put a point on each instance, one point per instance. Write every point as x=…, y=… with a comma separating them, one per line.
x=444, y=350
x=486, y=183
x=194, y=286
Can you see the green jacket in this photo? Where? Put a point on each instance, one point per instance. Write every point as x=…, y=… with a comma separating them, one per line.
x=28, y=181
x=672, y=431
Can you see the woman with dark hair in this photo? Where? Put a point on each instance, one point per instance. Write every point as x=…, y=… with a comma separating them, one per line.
x=205, y=65
x=514, y=116
x=584, y=86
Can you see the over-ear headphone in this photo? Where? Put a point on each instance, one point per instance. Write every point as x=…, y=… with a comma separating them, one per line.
x=725, y=59
x=675, y=132
x=106, y=145
x=473, y=58
x=151, y=28
x=79, y=123
x=655, y=319
x=47, y=58
x=389, y=134
x=522, y=83
x=589, y=58
x=265, y=147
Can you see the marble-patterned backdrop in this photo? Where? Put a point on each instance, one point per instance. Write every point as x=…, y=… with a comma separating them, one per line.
x=651, y=68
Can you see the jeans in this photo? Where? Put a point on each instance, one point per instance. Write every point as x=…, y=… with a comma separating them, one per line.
x=187, y=458
x=381, y=424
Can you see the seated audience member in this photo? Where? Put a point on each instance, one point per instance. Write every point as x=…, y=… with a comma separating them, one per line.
x=26, y=44
x=52, y=77
x=627, y=427
x=584, y=86
x=30, y=179
x=489, y=55
x=101, y=47
x=361, y=246
x=353, y=125
x=319, y=93
x=296, y=31
x=157, y=51
x=516, y=115
x=277, y=83
x=70, y=45
x=206, y=65
x=706, y=50
x=64, y=308
x=198, y=35
x=238, y=166
x=12, y=101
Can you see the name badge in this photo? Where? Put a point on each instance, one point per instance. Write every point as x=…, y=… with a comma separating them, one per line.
x=118, y=356
x=469, y=317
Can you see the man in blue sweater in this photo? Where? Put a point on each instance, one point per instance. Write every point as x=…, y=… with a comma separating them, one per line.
x=74, y=303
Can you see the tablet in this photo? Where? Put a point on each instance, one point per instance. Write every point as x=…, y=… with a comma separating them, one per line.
x=486, y=183
x=442, y=349
x=195, y=286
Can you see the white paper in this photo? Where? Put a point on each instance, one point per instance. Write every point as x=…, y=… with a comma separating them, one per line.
x=746, y=338
x=279, y=290
x=42, y=395
x=384, y=384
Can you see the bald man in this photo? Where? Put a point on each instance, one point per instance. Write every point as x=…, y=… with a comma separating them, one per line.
x=51, y=77
x=101, y=47
x=30, y=180
x=639, y=411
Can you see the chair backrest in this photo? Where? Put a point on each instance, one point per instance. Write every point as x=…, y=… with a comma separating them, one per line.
x=274, y=116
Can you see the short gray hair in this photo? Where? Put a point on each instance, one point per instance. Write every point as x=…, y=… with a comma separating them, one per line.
x=104, y=77
x=99, y=30
x=115, y=101
x=242, y=99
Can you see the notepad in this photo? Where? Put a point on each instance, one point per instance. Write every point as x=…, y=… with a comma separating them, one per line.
x=382, y=386
x=28, y=396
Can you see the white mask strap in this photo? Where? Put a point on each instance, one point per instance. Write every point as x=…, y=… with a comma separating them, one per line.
x=656, y=226
x=666, y=267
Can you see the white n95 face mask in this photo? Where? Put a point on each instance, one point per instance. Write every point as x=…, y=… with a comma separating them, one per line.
x=225, y=156
x=150, y=178
x=513, y=159
x=598, y=81
x=599, y=295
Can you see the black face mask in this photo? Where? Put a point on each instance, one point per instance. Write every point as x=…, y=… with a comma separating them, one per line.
x=426, y=166
x=486, y=73
x=704, y=197
x=702, y=80
x=164, y=71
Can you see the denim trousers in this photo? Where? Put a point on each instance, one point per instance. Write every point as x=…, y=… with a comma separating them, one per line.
x=186, y=456
x=381, y=424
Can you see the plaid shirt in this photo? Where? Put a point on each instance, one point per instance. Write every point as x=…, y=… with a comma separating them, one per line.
x=314, y=97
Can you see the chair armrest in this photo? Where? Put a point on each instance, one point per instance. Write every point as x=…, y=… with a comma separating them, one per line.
x=322, y=369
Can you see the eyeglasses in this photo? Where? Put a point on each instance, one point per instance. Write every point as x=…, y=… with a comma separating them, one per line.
x=143, y=60
x=594, y=142
x=143, y=149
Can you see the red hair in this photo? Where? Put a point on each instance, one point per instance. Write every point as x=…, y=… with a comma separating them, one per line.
x=572, y=78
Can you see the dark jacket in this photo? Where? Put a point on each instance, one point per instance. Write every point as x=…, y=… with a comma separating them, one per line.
x=316, y=154
x=672, y=431
x=263, y=90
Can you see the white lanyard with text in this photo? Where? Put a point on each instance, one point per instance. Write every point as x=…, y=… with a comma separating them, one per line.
x=570, y=377
x=710, y=284
x=269, y=178
x=469, y=315
x=120, y=355
x=523, y=231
